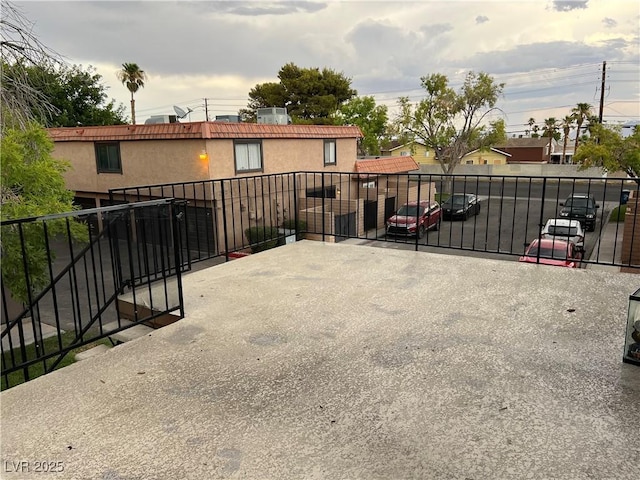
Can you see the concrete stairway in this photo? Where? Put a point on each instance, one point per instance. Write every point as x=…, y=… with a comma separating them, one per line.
x=131, y=333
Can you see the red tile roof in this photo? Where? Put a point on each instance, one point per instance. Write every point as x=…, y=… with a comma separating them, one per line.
x=167, y=131
x=385, y=165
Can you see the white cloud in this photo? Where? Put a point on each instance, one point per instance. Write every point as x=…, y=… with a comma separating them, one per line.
x=220, y=50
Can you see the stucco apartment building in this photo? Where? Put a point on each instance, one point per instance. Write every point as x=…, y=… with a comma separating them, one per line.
x=103, y=158
x=245, y=158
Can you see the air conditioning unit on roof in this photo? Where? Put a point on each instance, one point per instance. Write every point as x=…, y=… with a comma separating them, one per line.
x=273, y=116
x=161, y=119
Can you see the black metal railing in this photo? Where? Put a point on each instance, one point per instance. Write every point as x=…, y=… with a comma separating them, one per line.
x=72, y=272
x=226, y=216
x=249, y=213
x=68, y=278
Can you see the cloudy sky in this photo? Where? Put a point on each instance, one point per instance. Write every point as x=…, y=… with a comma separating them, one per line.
x=549, y=53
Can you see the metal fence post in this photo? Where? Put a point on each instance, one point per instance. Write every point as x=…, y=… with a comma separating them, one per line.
x=323, y=200
x=541, y=220
x=224, y=222
x=177, y=254
x=418, y=212
x=295, y=205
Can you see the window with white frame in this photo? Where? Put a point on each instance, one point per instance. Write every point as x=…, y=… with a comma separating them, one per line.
x=248, y=155
x=329, y=152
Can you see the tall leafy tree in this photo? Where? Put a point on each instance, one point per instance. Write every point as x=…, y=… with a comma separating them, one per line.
x=447, y=121
x=567, y=124
x=607, y=148
x=133, y=77
x=31, y=185
x=77, y=96
x=310, y=95
x=31, y=181
x=371, y=118
x=494, y=135
x=582, y=112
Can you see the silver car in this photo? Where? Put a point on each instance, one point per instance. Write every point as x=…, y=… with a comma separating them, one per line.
x=565, y=229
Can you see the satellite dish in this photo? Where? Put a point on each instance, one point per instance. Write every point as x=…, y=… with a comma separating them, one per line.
x=180, y=112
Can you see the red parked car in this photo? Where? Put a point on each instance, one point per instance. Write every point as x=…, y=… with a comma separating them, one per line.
x=551, y=251
x=415, y=218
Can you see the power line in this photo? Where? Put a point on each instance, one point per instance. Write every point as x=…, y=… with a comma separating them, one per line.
x=553, y=78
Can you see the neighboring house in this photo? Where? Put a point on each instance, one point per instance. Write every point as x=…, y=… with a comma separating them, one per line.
x=107, y=157
x=186, y=155
x=492, y=156
x=420, y=153
x=556, y=156
x=530, y=150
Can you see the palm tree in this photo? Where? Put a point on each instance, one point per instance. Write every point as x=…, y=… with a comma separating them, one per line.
x=535, y=129
x=592, y=120
x=581, y=112
x=549, y=129
x=531, y=123
x=567, y=123
x=133, y=77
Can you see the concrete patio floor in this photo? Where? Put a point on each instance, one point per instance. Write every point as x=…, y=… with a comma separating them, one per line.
x=332, y=361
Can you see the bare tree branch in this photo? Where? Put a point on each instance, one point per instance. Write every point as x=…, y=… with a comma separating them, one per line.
x=20, y=49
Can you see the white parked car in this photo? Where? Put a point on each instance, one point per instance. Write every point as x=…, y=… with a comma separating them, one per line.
x=565, y=229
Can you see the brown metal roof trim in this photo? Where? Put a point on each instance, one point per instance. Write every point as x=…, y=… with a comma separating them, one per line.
x=200, y=130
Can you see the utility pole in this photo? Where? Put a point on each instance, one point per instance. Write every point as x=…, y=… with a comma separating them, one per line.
x=604, y=71
x=206, y=110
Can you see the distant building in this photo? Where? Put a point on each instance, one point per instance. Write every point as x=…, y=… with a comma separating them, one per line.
x=492, y=156
x=530, y=150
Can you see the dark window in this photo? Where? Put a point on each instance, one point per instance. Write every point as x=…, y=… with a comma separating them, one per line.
x=329, y=192
x=329, y=152
x=248, y=156
x=108, y=157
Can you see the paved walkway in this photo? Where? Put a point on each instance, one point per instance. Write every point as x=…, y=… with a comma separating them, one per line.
x=608, y=246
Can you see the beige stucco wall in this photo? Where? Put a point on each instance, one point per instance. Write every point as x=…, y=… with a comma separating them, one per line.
x=143, y=163
x=151, y=162
x=520, y=169
x=286, y=155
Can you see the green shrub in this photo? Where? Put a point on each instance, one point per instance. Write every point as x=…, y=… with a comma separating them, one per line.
x=262, y=238
x=290, y=224
x=617, y=214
